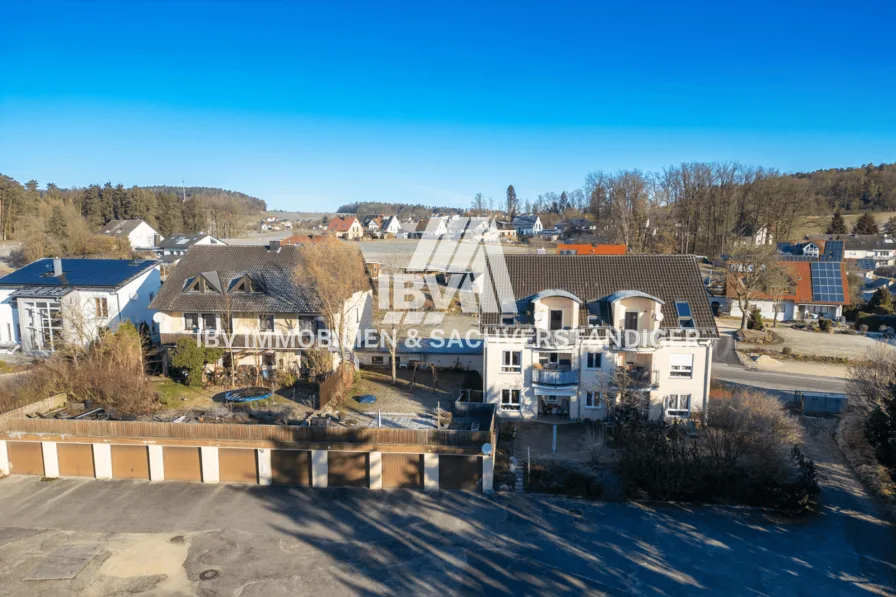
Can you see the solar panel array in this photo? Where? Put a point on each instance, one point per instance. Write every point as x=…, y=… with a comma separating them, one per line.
x=797, y=258
x=833, y=250
x=866, y=264
x=827, y=282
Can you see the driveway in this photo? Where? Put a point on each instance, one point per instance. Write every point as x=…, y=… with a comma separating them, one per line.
x=138, y=538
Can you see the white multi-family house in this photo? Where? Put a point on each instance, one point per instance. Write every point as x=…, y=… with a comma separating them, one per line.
x=139, y=234
x=576, y=332
x=879, y=247
x=51, y=302
x=177, y=245
x=527, y=225
x=257, y=296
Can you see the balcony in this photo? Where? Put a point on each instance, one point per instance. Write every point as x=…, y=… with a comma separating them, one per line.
x=639, y=378
x=555, y=377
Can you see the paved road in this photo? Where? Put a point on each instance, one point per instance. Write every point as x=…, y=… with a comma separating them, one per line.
x=773, y=380
x=156, y=539
x=723, y=350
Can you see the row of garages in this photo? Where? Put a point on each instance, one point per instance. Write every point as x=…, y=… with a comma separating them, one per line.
x=208, y=464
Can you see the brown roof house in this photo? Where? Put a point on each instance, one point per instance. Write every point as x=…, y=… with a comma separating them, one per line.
x=256, y=296
x=347, y=227
x=577, y=335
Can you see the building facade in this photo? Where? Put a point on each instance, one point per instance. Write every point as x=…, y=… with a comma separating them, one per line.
x=586, y=333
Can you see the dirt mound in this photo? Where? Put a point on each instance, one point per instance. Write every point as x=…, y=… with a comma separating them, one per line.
x=766, y=362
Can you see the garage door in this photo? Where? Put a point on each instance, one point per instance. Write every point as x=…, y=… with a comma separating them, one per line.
x=25, y=458
x=402, y=470
x=237, y=465
x=182, y=464
x=291, y=467
x=347, y=469
x=460, y=472
x=130, y=462
x=75, y=460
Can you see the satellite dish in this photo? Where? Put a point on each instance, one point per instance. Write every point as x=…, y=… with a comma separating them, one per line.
x=659, y=316
x=134, y=296
x=486, y=449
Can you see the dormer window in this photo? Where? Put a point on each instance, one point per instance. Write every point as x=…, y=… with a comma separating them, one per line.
x=685, y=317
x=199, y=285
x=508, y=319
x=245, y=285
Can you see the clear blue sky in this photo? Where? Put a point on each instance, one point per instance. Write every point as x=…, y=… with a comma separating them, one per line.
x=309, y=107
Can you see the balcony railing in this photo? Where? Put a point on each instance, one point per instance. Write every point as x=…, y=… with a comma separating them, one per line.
x=555, y=377
x=639, y=378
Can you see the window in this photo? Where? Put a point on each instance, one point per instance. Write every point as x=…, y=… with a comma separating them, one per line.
x=678, y=405
x=631, y=320
x=209, y=321
x=685, y=317
x=556, y=319
x=269, y=360
x=511, y=362
x=681, y=365
x=191, y=321
x=198, y=285
x=510, y=399
x=245, y=285
x=102, y=307
x=592, y=360
x=593, y=400
x=266, y=323
x=507, y=319
x=377, y=360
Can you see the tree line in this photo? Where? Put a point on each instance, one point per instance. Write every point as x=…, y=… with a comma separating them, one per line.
x=67, y=221
x=402, y=210
x=706, y=208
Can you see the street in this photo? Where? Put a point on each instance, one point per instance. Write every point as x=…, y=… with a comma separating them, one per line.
x=772, y=380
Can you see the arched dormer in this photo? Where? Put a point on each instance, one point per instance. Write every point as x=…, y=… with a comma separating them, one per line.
x=633, y=310
x=555, y=309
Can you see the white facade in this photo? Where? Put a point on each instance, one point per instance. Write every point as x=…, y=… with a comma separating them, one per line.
x=789, y=309
x=75, y=314
x=528, y=377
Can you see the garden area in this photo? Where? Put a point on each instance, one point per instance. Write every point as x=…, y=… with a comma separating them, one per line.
x=750, y=454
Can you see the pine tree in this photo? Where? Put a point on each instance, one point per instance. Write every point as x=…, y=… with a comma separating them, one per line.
x=890, y=226
x=58, y=223
x=837, y=225
x=511, y=202
x=866, y=224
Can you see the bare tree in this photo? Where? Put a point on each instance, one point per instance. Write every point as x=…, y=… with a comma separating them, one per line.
x=393, y=325
x=779, y=282
x=747, y=274
x=335, y=273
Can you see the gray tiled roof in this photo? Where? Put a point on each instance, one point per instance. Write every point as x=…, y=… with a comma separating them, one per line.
x=182, y=241
x=669, y=278
x=121, y=226
x=275, y=272
x=860, y=242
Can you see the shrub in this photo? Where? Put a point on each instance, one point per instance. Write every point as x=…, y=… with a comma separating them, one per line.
x=558, y=477
x=192, y=358
x=787, y=351
x=746, y=455
x=863, y=328
x=755, y=321
x=826, y=325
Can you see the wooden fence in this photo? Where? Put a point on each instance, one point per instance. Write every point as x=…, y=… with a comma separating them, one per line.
x=333, y=389
x=233, y=432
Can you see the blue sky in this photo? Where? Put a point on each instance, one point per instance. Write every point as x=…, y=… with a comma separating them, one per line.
x=311, y=106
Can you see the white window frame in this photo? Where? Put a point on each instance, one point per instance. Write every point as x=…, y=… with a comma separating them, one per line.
x=673, y=404
x=595, y=398
x=507, y=361
x=378, y=360
x=681, y=371
x=510, y=404
x=198, y=325
x=598, y=360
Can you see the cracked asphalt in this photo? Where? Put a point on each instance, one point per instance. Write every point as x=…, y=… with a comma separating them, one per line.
x=159, y=539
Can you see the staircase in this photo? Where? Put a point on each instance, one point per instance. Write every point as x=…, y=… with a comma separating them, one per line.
x=517, y=471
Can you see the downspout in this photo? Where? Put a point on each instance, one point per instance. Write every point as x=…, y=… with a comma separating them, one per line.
x=118, y=302
x=706, y=382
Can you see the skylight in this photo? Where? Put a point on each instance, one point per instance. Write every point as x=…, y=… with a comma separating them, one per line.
x=685, y=317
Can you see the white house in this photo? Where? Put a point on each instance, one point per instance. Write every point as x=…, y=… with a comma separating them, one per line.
x=435, y=227
x=527, y=225
x=178, y=244
x=139, y=234
x=391, y=225
x=51, y=301
x=560, y=345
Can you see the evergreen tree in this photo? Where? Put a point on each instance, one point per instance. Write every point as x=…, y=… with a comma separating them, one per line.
x=890, y=226
x=511, y=202
x=837, y=225
x=58, y=223
x=866, y=224
x=881, y=301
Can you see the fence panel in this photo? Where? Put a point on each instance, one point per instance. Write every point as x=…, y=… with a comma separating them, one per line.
x=402, y=471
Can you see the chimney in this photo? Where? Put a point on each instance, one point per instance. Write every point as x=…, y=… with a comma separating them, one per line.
x=274, y=247
x=57, y=266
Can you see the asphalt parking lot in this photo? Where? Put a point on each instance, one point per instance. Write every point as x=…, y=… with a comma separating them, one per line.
x=139, y=538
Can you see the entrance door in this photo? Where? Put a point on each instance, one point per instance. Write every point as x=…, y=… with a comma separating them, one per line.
x=631, y=321
x=556, y=319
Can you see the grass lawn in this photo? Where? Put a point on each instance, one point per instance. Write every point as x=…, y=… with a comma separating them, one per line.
x=818, y=224
x=177, y=396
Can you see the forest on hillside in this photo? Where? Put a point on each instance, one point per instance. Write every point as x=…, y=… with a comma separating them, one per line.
x=67, y=221
x=865, y=188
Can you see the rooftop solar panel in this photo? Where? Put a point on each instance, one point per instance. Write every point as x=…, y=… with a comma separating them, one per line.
x=827, y=282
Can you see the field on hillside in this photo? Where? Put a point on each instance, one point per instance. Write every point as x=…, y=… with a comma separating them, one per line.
x=818, y=224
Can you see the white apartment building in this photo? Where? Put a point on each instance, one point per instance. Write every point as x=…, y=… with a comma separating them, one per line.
x=562, y=347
